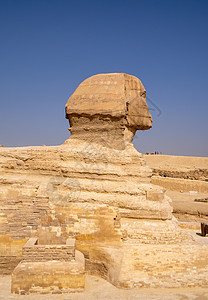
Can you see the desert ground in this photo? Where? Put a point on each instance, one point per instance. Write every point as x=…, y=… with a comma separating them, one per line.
x=97, y=288
x=186, y=180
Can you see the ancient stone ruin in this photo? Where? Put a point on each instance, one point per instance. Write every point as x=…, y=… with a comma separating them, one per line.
x=95, y=190
x=108, y=109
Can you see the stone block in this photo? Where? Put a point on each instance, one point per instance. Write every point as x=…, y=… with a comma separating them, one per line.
x=49, y=276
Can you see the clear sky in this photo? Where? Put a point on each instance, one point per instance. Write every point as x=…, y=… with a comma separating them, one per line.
x=47, y=48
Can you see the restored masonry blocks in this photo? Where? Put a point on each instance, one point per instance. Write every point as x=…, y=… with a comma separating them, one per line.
x=90, y=205
x=34, y=252
x=49, y=268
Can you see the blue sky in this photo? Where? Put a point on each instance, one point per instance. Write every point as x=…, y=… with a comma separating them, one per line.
x=49, y=47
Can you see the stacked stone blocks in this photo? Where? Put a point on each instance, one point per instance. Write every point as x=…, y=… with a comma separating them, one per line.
x=49, y=269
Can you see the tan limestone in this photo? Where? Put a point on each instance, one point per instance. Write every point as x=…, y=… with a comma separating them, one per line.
x=108, y=109
x=49, y=269
x=95, y=188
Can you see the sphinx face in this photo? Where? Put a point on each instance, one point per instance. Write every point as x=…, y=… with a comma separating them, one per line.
x=138, y=115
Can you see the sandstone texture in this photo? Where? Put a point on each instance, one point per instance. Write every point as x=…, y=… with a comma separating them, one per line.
x=95, y=188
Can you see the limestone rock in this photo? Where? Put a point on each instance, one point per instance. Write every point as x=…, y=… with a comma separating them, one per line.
x=49, y=268
x=104, y=103
x=95, y=188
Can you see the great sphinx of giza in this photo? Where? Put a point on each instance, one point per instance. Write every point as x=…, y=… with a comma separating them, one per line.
x=108, y=109
x=104, y=113
x=96, y=188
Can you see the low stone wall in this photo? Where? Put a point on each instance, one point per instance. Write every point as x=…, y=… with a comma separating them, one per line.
x=198, y=174
x=49, y=276
x=176, y=184
x=184, y=167
x=34, y=252
x=49, y=269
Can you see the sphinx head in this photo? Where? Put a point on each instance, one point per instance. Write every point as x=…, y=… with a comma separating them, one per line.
x=108, y=109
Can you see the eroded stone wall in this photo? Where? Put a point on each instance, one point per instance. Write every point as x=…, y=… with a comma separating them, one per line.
x=184, y=167
x=82, y=190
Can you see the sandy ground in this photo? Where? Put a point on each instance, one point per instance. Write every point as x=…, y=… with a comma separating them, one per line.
x=176, y=162
x=186, y=209
x=97, y=288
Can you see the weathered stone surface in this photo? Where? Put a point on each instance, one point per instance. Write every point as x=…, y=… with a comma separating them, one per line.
x=49, y=268
x=108, y=109
x=33, y=251
x=49, y=276
x=95, y=188
x=179, y=184
x=114, y=94
x=172, y=266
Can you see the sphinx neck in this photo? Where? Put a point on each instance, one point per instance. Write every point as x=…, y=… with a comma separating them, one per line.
x=111, y=132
